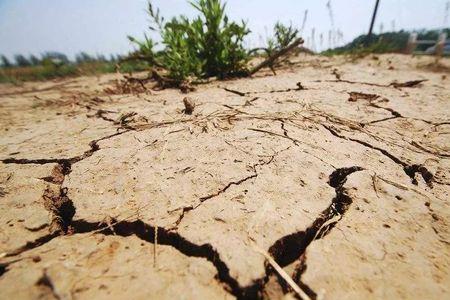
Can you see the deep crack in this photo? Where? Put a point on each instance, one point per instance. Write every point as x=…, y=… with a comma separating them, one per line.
x=55, y=197
x=146, y=233
x=284, y=251
x=292, y=247
x=426, y=175
x=409, y=170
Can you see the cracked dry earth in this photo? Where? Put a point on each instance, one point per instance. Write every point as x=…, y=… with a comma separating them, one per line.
x=338, y=169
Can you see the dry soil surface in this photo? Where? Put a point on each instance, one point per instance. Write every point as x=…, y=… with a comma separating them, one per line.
x=336, y=168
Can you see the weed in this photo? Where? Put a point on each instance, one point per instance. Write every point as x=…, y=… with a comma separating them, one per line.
x=283, y=36
x=209, y=45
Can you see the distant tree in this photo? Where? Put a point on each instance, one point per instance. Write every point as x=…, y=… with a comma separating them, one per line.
x=34, y=60
x=21, y=60
x=55, y=57
x=100, y=57
x=83, y=57
x=5, y=62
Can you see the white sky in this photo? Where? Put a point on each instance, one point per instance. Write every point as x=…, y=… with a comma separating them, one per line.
x=101, y=26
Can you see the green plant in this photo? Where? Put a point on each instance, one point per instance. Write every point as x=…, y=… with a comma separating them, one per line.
x=209, y=45
x=283, y=36
x=145, y=48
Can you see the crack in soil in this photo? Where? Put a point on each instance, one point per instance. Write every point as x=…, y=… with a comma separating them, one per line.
x=146, y=233
x=58, y=204
x=285, y=250
x=427, y=176
x=394, y=84
x=60, y=207
x=285, y=132
x=422, y=148
x=299, y=87
x=187, y=209
x=380, y=120
x=236, y=92
x=393, y=112
x=55, y=198
x=121, y=122
x=354, y=82
x=284, y=135
x=46, y=282
x=33, y=244
x=292, y=247
x=355, y=96
x=296, y=142
x=409, y=170
x=66, y=163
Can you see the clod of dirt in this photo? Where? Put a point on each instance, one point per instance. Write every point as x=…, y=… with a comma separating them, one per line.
x=300, y=86
x=336, y=73
x=189, y=105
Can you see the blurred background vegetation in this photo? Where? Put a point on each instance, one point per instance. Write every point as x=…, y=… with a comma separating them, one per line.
x=52, y=65
x=208, y=45
x=389, y=42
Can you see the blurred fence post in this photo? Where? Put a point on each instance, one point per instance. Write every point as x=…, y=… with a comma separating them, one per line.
x=412, y=43
x=369, y=35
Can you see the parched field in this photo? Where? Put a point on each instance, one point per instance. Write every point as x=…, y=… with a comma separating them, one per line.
x=339, y=170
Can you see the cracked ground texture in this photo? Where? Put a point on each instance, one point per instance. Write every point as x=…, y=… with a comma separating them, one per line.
x=332, y=167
